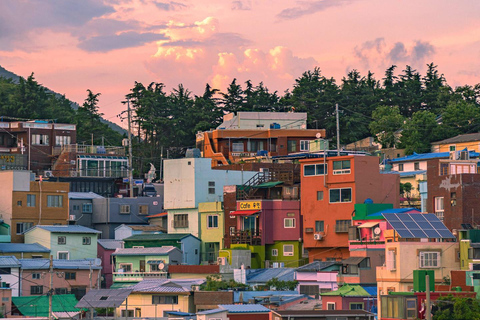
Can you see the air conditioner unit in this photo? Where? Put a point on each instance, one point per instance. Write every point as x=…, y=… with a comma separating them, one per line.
x=71, y=217
x=318, y=236
x=48, y=174
x=222, y=261
x=464, y=155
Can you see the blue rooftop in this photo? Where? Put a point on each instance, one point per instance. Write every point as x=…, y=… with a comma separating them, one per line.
x=411, y=173
x=212, y=311
x=65, y=229
x=22, y=247
x=35, y=264
x=247, y=295
x=431, y=155
x=244, y=308
x=372, y=290
x=263, y=275
x=9, y=262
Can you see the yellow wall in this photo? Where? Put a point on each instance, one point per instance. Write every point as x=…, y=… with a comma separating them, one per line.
x=143, y=301
x=471, y=145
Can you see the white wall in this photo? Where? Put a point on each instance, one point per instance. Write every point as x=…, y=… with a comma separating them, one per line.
x=122, y=232
x=410, y=166
x=11, y=181
x=13, y=279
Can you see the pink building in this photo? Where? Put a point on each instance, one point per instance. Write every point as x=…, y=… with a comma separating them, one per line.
x=70, y=276
x=315, y=278
x=104, y=252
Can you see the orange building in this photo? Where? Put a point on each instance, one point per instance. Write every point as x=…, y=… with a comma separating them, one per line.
x=330, y=189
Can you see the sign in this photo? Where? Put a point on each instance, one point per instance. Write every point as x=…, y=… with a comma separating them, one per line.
x=125, y=180
x=138, y=182
x=249, y=205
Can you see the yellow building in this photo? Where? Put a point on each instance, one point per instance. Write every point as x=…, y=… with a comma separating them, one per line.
x=470, y=141
x=211, y=229
x=152, y=298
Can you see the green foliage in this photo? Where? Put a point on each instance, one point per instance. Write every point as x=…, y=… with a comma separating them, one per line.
x=386, y=122
x=419, y=131
x=275, y=284
x=456, y=308
x=215, y=283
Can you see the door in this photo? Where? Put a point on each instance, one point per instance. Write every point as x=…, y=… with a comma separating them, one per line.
x=142, y=265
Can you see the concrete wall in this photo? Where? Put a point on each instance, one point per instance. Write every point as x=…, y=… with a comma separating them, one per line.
x=13, y=280
x=81, y=218
x=207, y=234
x=11, y=181
x=143, y=302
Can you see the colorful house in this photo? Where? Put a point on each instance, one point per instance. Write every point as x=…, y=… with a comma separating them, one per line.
x=348, y=297
x=469, y=247
x=187, y=243
x=250, y=311
x=24, y=250
x=105, y=249
x=211, y=226
x=314, y=278
x=124, y=231
x=66, y=242
x=136, y=264
x=457, y=143
x=10, y=274
x=330, y=189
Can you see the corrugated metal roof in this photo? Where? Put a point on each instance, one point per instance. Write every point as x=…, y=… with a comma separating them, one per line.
x=159, y=236
x=9, y=262
x=66, y=229
x=372, y=290
x=315, y=266
x=167, y=285
x=22, y=247
x=103, y=298
x=110, y=244
x=212, y=311
x=411, y=173
x=34, y=264
x=247, y=295
x=427, y=156
x=263, y=275
x=83, y=195
x=37, y=306
x=244, y=308
x=350, y=290
x=353, y=260
x=144, y=251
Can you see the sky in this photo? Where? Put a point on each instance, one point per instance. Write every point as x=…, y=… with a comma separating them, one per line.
x=106, y=46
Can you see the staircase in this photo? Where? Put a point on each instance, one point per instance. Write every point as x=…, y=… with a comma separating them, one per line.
x=247, y=190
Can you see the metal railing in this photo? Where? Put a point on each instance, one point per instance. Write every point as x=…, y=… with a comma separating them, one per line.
x=89, y=149
x=246, y=237
x=133, y=276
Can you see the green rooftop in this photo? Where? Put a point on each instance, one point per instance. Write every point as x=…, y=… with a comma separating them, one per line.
x=158, y=236
x=348, y=290
x=37, y=306
x=370, y=211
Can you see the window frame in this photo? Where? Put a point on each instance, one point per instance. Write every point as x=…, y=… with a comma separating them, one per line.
x=129, y=265
x=321, y=223
x=304, y=145
x=423, y=261
x=157, y=299
x=180, y=220
x=287, y=253
x=292, y=221
x=86, y=241
x=70, y=276
x=31, y=197
x=63, y=252
x=274, y=252
x=87, y=208
x=213, y=223
x=211, y=187
x=340, y=197
x=62, y=240
x=341, y=224
x=316, y=169
x=55, y=201
x=330, y=304
x=36, y=290
x=125, y=209
x=36, y=275
x=344, y=169
x=143, y=209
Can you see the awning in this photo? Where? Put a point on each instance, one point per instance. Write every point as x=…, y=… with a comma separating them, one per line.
x=37, y=306
x=244, y=212
x=353, y=260
x=368, y=225
x=268, y=184
x=154, y=261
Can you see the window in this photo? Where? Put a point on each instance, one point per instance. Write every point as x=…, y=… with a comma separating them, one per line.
x=330, y=305
x=319, y=195
x=342, y=225
x=87, y=241
x=127, y=313
x=143, y=209
x=35, y=290
x=70, y=275
x=287, y=250
x=36, y=276
x=315, y=169
x=439, y=207
x=310, y=290
x=274, y=252
x=61, y=291
x=341, y=195
x=260, y=125
x=289, y=223
x=304, y=144
x=400, y=167
x=87, y=208
x=40, y=139
x=62, y=255
x=356, y=306
x=453, y=199
x=62, y=140
x=126, y=267
x=416, y=166
x=31, y=200
x=411, y=308
x=453, y=148
x=164, y=299
x=232, y=231
x=124, y=209
x=55, y=201
x=212, y=221
x=473, y=253
x=319, y=226
x=429, y=260
x=341, y=167
x=23, y=226
x=180, y=221
x=62, y=240
x=292, y=146
x=443, y=169
x=76, y=207
x=5, y=270
x=237, y=147
x=19, y=203
x=211, y=187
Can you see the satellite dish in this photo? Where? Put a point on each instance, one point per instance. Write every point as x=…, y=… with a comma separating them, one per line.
x=318, y=135
x=377, y=231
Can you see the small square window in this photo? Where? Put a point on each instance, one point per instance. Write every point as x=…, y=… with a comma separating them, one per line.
x=274, y=252
x=288, y=249
x=62, y=255
x=87, y=240
x=319, y=226
x=319, y=195
x=124, y=209
x=289, y=223
x=19, y=203
x=62, y=240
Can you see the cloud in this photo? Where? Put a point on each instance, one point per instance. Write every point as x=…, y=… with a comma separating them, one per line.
x=241, y=5
x=129, y=39
x=361, y=50
x=218, y=39
x=170, y=6
x=398, y=53
x=422, y=50
x=304, y=8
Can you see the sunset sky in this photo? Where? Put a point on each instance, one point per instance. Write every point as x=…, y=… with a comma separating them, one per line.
x=105, y=46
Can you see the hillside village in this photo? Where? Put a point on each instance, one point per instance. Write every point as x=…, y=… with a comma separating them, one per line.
x=261, y=220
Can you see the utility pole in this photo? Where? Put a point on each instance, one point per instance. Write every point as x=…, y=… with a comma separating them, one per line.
x=161, y=164
x=50, y=290
x=428, y=313
x=90, y=277
x=130, y=162
x=338, y=130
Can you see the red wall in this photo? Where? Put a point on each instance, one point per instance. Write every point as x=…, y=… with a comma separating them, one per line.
x=249, y=316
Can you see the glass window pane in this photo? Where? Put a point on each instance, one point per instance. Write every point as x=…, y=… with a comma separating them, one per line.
x=334, y=195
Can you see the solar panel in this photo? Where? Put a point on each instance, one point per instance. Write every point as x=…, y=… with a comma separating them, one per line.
x=417, y=225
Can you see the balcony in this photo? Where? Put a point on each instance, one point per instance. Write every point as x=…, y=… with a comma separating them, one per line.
x=138, y=276
x=88, y=149
x=246, y=237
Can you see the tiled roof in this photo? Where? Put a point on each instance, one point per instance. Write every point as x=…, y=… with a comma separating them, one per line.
x=350, y=290
x=9, y=262
x=66, y=229
x=460, y=138
x=167, y=285
x=244, y=308
x=22, y=247
x=110, y=244
x=158, y=236
x=263, y=275
x=144, y=251
x=34, y=264
x=83, y=195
